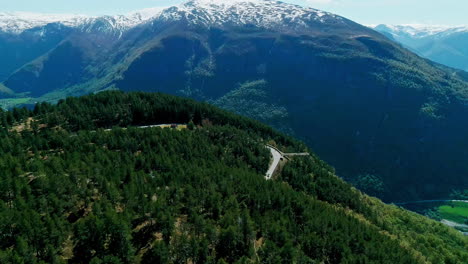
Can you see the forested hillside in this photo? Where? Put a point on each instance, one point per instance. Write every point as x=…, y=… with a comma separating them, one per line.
x=380, y=114
x=81, y=182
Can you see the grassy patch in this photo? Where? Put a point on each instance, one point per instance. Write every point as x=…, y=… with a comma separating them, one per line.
x=178, y=127
x=12, y=102
x=5, y=90
x=455, y=211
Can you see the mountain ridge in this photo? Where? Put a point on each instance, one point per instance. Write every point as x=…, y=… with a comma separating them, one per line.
x=259, y=12
x=421, y=30
x=443, y=44
x=19, y=22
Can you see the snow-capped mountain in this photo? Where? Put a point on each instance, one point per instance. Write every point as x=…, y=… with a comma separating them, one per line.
x=420, y=30
x=25, y=36
x=18, y=22
x=447, y=45
x=261, y=13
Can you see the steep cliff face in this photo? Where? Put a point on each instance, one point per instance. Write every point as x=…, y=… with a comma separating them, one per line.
x=20, y=49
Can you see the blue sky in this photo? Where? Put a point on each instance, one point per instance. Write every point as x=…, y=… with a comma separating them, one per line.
x=438, y=12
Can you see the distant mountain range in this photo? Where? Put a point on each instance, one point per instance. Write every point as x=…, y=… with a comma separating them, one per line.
x=27, y=36
x=361, y=101
x=19, y=22
x=442, y=44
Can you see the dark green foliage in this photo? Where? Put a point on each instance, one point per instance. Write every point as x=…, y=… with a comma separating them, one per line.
x=75, y=192
x=101, y=236
x=159, y=253
x=370, y=184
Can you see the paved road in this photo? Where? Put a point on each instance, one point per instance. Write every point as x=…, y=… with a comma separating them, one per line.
x=276, y=159
x=277, y=156
x=432, y=201
x=453, y=224
x=151, y=126
x=276, y=153
x=296, y=154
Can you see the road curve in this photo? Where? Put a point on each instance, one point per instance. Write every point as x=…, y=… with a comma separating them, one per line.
x=276, y=153
x=276, y=159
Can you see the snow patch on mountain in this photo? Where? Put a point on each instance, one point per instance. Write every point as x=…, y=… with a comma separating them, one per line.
x=18, y=22
x=420, y=30
x=262, y=13
x=146, y=14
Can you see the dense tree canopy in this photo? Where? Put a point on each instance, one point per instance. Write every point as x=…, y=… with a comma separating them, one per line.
x=82, y=183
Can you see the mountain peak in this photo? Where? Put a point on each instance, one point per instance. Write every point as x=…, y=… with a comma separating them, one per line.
x=17, y=22
x=262, y=13
x=226, y=2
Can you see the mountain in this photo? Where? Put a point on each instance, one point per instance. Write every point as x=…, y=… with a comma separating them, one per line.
x=445, y=45
x=90, y=181
x=27, y=36
x=19, y=22
x=366, y=105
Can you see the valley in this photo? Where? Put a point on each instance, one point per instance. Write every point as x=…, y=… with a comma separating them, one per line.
x=453, y=213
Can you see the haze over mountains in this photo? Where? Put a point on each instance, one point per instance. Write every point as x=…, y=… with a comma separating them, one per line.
x=442, y=44
x=362, y=102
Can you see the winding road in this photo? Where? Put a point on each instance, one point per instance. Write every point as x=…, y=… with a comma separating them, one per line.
x=275, y=152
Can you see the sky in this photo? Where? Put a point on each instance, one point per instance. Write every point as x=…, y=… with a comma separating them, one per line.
x=368, y=12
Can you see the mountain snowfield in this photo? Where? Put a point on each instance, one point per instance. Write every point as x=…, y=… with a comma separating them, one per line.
x=264, y=13
x=18, y=22
x=420, y=30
